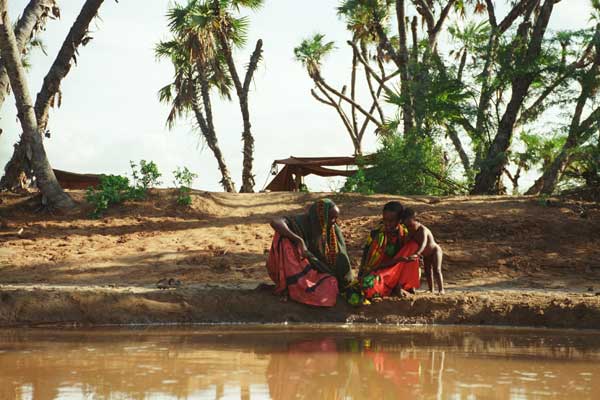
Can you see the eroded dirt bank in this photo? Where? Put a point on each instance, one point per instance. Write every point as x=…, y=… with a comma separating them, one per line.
x=508, y=261
x=97, y=306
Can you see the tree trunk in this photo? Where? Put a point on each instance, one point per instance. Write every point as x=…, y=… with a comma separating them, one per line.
x=464, y=158
x=578, y=134
x=50, y=88
x=208, y=129
x=353, y=91
x=247, y=137
x=242, y=90
x=405, y=89
x=31, y=21
x=546, y=184
x=53, y=194
x=64, y=60
x=496, y=159
x=332, y=103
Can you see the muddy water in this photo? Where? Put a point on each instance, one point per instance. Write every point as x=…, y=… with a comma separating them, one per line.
x=299, y=363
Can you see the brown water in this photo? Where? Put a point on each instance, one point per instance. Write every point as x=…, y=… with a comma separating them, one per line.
x=299, y=363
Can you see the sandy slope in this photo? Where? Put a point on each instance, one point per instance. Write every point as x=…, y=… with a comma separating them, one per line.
x=494, y=243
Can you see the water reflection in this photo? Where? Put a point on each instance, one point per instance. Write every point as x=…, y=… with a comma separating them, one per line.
x=299, y=363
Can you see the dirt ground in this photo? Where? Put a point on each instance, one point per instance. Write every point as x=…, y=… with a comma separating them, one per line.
x=502, y=252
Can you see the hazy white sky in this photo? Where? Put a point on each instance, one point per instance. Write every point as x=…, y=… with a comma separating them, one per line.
x=110, y=112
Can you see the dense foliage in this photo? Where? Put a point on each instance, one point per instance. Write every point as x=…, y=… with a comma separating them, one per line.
x=504, y=96
x=406, y=167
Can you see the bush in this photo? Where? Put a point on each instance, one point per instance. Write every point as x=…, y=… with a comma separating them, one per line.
x=404, y=166
x=113, y=189
x=147, y=176
x=183, y=181
x=359, y=183
x=116, y=189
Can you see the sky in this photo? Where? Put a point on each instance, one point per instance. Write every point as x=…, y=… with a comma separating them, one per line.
x=110, y=113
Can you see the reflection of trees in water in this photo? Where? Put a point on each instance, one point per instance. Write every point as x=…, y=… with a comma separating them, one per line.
x=327, y=364
x=130, y=369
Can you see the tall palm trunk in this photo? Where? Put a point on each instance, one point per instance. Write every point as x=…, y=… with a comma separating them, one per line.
x=53, y=194
x=208, y=128
x=242, y=89
x=50, y=88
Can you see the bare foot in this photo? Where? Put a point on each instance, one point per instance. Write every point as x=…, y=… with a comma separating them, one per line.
x=399, y=292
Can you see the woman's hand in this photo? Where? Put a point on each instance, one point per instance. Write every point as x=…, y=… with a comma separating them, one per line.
x=303, y=248
x=280, y=226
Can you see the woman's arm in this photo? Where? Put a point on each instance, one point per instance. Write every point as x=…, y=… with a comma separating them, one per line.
x=280, y=226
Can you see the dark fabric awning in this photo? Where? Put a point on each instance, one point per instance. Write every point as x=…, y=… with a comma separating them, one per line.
x=287, y=180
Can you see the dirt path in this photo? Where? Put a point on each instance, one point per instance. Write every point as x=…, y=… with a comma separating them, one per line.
x=503, y=251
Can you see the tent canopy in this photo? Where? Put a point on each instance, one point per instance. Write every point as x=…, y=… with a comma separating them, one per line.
x=291, y=176
x=71, y=180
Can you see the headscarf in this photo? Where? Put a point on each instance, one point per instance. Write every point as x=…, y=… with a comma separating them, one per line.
x=324, y=240
x=319, y=215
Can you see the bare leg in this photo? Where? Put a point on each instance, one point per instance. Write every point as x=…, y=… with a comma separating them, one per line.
x=429, y=272
x=436, y=266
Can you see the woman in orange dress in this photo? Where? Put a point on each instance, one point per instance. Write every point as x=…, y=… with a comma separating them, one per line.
x=386, y=264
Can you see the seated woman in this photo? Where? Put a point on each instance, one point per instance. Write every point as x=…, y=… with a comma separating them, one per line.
x=385, y=264
x=308, y=256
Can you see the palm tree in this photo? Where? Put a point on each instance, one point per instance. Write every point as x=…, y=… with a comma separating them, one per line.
x=184, y=96
x=49, y=94
x=52, y=193
x=208, y=33
x=193, y=51
x=231, y=33
x=32, y=21
x=310, y=53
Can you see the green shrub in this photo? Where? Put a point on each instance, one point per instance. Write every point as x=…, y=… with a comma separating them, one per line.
x=113, y=189
x=358, y=183
x=404, y=166
x=116, y=189
x=147, y=176
x=183, y=181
